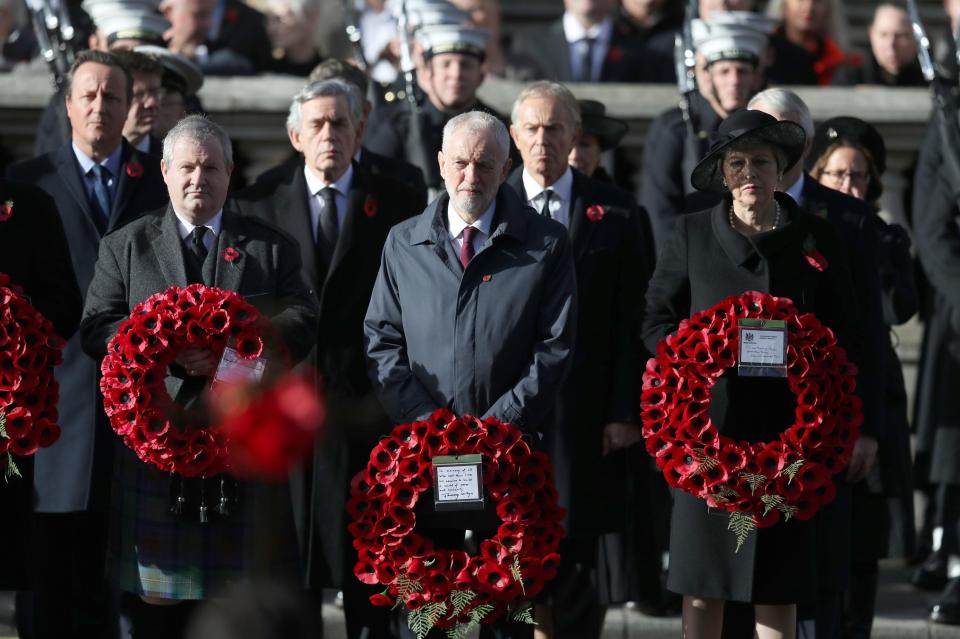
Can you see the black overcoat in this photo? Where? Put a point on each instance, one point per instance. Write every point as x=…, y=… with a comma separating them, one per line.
x=704, y=262
x=355, y=419
x=74, y=474
x=34, y=253
x=613, y=257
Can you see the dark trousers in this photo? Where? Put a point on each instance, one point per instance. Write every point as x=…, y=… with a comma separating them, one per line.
x=72, y=597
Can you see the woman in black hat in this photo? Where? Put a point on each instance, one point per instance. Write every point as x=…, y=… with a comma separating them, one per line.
x=755, y=239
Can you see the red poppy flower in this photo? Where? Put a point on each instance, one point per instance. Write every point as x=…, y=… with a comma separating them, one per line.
x=231, y=254
x=381, y=599
x=6, y=210
x=134, y=168
x=816, y=259
x=231, y=16
x=595, y=213
x=370, y=206
x=614, y=55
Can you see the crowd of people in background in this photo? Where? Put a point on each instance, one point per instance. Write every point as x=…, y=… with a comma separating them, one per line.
x=114, y=560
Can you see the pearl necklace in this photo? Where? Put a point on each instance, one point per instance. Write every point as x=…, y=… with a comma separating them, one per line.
x=776, y=218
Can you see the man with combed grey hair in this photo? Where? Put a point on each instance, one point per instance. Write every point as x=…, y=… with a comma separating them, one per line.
x=590, y=431
x=474, y=307
x=194, y=240
x=856, y=223
x=340, y=213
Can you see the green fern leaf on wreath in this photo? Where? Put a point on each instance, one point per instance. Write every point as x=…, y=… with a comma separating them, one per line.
x=792, y=470
x=459, y=600
x=407, y=586
x=787, y=510
x=770, y=502
x=516, y=572
x=460, y=631
x=523, y=614
x=742, y=525
x=422, y=620
x=755, y=480
x=481, y=611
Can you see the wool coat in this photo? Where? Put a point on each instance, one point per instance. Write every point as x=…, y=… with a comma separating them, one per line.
x=492, y=339
x=704, y=262
x=355, y=419
x=151, y=552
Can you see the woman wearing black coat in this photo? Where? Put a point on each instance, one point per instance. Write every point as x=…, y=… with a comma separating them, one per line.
x=755, y=239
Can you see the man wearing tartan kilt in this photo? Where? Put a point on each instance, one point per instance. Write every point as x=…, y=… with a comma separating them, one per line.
x=161, y=560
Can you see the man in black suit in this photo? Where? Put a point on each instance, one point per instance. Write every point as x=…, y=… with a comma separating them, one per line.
x=853, y=220
x=341, y=214
x=99, y=183
x=584, y=45
x=374, y=163
x=162, y=563
x=596, y=413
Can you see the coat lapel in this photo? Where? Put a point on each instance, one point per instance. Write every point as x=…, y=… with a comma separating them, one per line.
x=293, y=215
x=557, y=49
x=353, y=220
x=69, y=171
x=129, y=180
x=168, y=248
x=581, y=229
x=229, y=274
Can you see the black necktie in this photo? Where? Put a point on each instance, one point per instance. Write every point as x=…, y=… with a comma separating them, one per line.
x=586, y=62
x=196, y=254
x=329, y=227
x=101, y=192
x=545, y=207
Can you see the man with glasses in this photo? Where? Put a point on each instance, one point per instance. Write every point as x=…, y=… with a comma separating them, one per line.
x=148, y=93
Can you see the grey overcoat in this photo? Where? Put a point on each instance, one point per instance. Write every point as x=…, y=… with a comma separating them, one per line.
x=494, y=339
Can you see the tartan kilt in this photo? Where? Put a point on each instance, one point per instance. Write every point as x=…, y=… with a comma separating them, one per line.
x=152, y=553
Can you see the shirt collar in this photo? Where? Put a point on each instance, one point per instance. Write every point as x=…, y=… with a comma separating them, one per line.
x=315, y=184
x=112, y=162
x=143, y=145
x=796, y=191
x=562, y=188
x=574, y=31
x=186, y=228
x=456, y=224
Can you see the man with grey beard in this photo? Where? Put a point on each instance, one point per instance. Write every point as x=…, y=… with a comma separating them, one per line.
x=474, y=306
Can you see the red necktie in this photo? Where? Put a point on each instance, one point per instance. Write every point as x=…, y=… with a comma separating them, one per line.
x=466, y=250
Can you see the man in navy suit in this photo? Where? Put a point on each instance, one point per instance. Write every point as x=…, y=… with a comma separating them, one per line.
x=99, y=182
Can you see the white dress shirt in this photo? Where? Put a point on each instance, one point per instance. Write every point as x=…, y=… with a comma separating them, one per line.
x=456, y=225
x=577, y=43
x=315, y=185
x=559, y=200
x=209, y=239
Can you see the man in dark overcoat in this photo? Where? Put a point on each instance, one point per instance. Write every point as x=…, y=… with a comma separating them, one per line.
x=474, y=306
x=853, y=220
x=596, y=411
x=99, y=183
x=732, y=71
x=341, y=237
x=164, y=563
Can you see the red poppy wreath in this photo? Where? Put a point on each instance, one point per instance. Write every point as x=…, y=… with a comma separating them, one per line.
x=135, y=397
x=29, y=349
x=450, y=589
x=757, y=483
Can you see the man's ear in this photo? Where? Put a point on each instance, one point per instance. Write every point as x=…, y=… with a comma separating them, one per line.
x=507, y=165
x=294, y=137
x=440, y=162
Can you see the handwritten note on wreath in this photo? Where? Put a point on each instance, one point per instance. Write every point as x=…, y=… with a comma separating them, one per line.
x=457, y=482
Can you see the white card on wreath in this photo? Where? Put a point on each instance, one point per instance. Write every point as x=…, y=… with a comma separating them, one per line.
x=234, y=369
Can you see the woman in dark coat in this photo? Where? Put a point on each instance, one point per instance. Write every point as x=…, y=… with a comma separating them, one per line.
x=849, y=155
x=755, y=239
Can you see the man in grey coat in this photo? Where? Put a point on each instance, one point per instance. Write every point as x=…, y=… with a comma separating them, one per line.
x=474, y=305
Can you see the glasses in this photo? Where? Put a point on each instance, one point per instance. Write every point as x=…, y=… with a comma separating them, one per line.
x=855, y=177
x=141, y=96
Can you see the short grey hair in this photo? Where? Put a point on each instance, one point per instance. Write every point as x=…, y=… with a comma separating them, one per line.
x=477, y=122
x=785, y=101
x=330, y=88
x=201, y=130
x=548, y=89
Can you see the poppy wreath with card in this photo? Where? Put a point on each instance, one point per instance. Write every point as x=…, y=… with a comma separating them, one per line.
x=757, y=483
x=450, y=589
x=135, y=396
x=29, y=349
